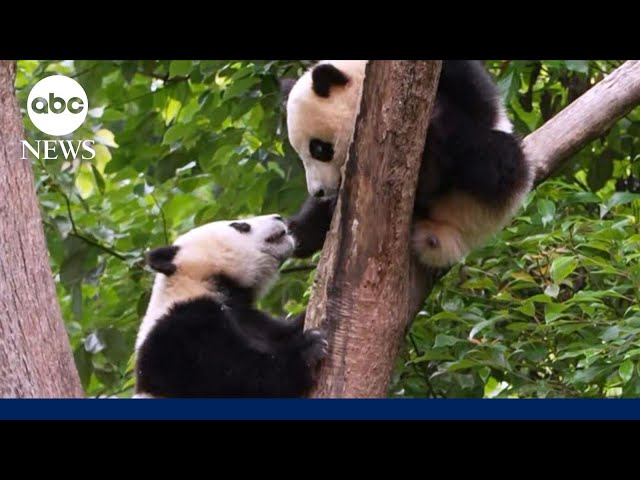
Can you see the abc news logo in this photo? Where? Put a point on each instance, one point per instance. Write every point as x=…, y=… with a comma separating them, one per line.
x=58, y=105
x=41, y=105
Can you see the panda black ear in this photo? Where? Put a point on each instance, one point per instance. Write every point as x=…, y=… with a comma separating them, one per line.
x=161, y=259
x=325, y=76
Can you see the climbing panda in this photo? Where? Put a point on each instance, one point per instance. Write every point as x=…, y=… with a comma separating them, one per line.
x=202, y=335
x=474, y=175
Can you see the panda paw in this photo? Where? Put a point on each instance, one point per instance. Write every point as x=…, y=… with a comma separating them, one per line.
x=437, y=244
x=316, y=347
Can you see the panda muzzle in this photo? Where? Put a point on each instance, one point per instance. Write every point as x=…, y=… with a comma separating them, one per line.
x=276, y=237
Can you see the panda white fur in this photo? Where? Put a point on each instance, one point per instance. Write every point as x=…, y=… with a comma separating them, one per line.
x=202, y=335
x=474, y=175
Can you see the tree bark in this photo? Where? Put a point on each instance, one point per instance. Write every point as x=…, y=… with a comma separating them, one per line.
x=35, y=357
x=365, y=311
x=363, y=277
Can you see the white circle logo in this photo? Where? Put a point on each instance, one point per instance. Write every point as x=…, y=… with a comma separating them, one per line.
x=57, y=105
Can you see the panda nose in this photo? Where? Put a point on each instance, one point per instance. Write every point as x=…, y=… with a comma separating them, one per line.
x=319, y=193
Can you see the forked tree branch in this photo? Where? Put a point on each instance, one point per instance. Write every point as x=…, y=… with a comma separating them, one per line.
x=368, y=288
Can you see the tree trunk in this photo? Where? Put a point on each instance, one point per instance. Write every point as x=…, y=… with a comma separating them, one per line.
x=368, y=288
x=35, y=358
x=364, y=273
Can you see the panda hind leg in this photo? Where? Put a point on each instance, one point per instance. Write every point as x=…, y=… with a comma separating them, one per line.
x=437, y=243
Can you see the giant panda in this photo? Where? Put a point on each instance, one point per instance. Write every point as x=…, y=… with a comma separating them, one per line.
x=202, y=335
x=474, y=175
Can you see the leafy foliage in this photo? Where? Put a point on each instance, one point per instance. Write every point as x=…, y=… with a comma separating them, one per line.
x=547, y=308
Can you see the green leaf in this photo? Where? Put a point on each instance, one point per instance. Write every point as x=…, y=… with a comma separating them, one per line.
x=439, y=355
x=478, y=283
x=581, y=66
x=113, y=115
x=610, y=334
x=174, y=133
x=453, y=305
x=554, y=311
x=239, y=87
x=523, y=277
x=530, y=119
x=116, y=347
x=505, y=86
x=98, y=178
x=93, y=344
x=528, y=308
x=84, y=365
x=167, y=166
x=72, y=268
x=626, y=371
x=180, y=68
x=618, y=198
x=106, y=138
x=552, y=290
x=443, y=340
x=480, y=326
x=547, y=210
x=562, y=267
x=587, y=375
x=129, y=69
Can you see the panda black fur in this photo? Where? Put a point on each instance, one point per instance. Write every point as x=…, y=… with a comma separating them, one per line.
x=474, y=175
x=202, y=335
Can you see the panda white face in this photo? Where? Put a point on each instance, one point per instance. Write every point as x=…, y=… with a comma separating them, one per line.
x=248, y=251
x=321, y=113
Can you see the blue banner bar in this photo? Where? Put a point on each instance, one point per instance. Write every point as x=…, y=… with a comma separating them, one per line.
x=321, y=409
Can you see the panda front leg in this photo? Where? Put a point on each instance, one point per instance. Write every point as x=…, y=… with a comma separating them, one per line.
x=310, y=225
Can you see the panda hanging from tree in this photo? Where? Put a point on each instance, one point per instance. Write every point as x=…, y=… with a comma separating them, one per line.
x=474, y=174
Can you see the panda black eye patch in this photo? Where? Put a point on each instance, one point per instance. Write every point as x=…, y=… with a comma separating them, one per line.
x=319, y=150
x=242, y=227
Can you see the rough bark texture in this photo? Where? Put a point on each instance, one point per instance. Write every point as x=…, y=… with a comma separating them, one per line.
x=364, y=274
x=362, y=297
x=35, y=357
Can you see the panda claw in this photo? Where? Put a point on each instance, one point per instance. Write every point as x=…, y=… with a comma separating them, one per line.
x=317, y=347
x=432, y=241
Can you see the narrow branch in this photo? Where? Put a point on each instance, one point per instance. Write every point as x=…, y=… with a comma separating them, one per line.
x=169, y=83
x=86, y=70
x=162, y=216
x=99, y=246
x=76, y=233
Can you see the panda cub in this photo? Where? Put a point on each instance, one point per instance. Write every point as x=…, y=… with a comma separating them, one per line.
x=474, y=175
x=202, y=335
